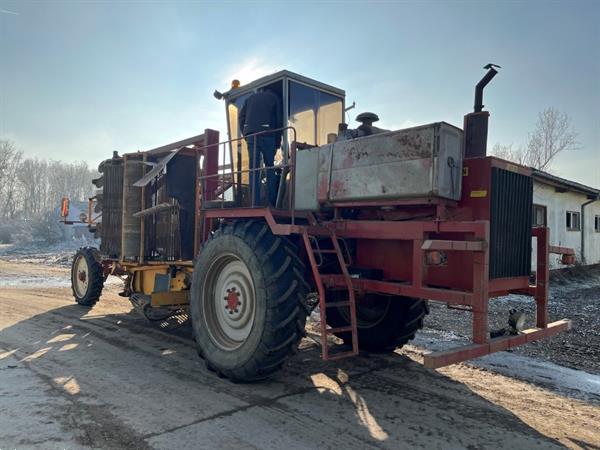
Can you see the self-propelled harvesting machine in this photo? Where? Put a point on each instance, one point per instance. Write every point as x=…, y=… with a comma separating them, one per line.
x=369, y=225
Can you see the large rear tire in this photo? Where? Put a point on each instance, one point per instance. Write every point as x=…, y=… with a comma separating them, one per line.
x=385, y=322
x=248, y=301
x=87, y=279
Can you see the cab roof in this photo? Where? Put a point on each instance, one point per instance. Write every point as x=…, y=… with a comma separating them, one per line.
x=232, y=93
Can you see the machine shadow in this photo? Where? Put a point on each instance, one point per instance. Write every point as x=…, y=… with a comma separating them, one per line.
x=387, y=401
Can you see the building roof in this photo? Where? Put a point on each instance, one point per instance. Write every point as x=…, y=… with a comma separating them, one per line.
x=564, y=184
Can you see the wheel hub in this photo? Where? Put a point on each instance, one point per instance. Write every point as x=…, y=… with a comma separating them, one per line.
x=80, y=278
x=229, y=306
x=232, y=300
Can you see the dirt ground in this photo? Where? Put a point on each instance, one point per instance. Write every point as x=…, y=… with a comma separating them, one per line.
x=72, y=377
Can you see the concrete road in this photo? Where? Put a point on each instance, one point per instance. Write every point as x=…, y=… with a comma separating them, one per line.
x=72, y=377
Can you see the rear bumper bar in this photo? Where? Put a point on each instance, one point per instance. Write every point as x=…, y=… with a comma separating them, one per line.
x=459, y=354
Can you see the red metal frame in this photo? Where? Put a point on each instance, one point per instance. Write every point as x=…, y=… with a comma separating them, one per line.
x=453, y=356
x=398, y=247
x=477, y=299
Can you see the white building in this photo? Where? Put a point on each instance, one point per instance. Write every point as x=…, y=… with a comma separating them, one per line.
x=572, y=212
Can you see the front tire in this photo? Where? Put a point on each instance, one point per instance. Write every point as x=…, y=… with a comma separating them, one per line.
x=87, y=279
x=247, y=301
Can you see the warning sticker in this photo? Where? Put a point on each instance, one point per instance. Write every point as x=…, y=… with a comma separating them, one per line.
x=478, y=194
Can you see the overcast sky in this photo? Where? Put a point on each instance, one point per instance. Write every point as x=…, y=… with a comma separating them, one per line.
x=79, y=80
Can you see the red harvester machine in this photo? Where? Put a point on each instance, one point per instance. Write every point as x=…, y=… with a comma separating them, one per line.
x=369, y=226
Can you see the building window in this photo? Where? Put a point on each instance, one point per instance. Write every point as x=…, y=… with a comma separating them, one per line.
x=597, y=224
x=539, y=216
x=573, y=221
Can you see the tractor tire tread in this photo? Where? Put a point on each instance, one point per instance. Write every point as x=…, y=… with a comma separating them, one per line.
x=395, y=331
x=285, y=315
x=96, y=276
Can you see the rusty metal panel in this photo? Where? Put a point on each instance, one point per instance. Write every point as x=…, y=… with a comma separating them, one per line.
x=417, y=162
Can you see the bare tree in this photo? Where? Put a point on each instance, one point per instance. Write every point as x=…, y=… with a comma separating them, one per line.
x=33, y=182
x=30, y=193
x=43, y=183
x=508, y=152
x=552, y=135
x=72, y=180
x=10, y=160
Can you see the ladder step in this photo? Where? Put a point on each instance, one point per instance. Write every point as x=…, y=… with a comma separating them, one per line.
x=336, y=304
x=341, y=355
x=312, y=248
x=339, y=330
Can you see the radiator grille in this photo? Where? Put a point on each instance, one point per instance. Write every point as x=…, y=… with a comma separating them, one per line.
x=112, y=208
x=510, y=224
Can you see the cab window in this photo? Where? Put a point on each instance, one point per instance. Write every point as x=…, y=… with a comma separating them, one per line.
x=313, y=113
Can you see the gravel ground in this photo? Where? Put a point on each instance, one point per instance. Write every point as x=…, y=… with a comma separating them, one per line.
x=574, y=294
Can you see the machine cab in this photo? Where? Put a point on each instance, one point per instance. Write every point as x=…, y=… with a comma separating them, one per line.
x=311, y=109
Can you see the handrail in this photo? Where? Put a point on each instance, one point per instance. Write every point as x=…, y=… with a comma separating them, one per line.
x=227, y=170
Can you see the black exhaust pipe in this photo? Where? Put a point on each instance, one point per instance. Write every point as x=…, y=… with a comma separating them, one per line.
x=476, y=123
x=491, y=73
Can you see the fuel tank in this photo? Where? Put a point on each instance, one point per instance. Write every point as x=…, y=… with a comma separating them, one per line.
x=412, y=163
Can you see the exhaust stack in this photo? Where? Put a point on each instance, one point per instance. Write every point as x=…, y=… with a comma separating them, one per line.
x=476, y=123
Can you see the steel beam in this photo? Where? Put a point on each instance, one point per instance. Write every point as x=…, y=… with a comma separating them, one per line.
x=183, y=143
x=560, y=250
x=405, y=289
x=542, y=278
x=465, y=246
x=444, y=358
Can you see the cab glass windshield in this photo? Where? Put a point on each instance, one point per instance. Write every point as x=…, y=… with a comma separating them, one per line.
x=313, y=113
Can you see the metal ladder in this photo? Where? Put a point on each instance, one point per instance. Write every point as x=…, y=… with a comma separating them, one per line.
x=323, y=305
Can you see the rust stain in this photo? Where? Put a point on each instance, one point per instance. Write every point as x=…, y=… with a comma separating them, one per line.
x=414, y=145
x=338, y=188
x=323, y=187
x=348, y=161
x=427, y=163
x=400, y=146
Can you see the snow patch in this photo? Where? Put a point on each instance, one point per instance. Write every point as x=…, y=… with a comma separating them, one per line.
x=19, y=280
x=570, y=382
x=561, y=379
x=39, y=252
